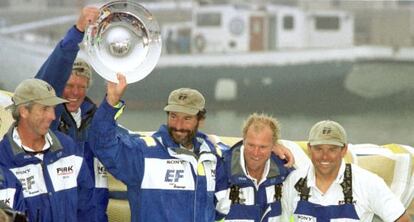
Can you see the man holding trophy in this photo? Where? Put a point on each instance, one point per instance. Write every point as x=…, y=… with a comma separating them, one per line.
x=176, y=174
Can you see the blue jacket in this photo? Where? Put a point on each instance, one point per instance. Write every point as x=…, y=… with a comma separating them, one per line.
x=56, y=71
x=11, y=191
x=248, y=202
x=56, y=187
x=165, y=182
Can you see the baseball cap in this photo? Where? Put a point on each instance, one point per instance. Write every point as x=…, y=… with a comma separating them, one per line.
x=82, y=68
x=185, y=100
x=36, y=90
x=327, y=132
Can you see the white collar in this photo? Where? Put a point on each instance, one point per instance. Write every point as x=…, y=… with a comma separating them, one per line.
x=77, y=117
x=243, y=166
x=312, y=178
x=18, y=141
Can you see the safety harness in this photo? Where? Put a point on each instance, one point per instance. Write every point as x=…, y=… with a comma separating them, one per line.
x=235, y=194
x=303, y=189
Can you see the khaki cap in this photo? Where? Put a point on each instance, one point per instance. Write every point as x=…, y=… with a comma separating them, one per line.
x=327, y=132
x=185, y=100
x=82, y=68
x=36, y=90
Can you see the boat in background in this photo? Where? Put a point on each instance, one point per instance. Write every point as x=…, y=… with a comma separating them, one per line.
x=277, y=59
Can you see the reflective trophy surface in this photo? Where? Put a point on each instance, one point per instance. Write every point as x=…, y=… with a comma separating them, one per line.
x=125, y=39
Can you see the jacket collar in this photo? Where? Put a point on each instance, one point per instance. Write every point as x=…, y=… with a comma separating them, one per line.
x=238, y=167
x=16, y=149
x=200, y=142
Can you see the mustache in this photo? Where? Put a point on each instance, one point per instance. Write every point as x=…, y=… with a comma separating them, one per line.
x=173, y=129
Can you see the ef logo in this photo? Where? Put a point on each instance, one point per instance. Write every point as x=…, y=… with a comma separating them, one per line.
x=173, y=175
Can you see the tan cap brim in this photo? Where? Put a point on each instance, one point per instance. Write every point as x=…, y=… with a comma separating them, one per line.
x=327, y=142
x=51, y=101
x=180, y=109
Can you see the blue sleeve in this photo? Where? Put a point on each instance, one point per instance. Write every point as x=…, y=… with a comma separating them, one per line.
x=119, y=151
x=57, y=68
x=86, y=188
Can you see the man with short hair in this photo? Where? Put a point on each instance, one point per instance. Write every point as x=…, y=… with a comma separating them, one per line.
x=48, y=163
x=72, y=79
x=255, y=173
x=173, y=175
x=333, y=190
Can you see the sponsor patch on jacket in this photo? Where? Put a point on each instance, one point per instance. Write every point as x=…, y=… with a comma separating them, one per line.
x=64, y=172
x=31, y=178
x=7, y=196
x=167, y=174
x=101, y=177
x=305, y=218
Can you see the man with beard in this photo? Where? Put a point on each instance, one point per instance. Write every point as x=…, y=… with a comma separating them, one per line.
x=176, y=174
x=173, y=175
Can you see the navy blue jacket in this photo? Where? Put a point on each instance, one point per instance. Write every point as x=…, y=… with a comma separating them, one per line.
x=56, y=187
x=56, y=71
x=253, y=203
x=165, y=182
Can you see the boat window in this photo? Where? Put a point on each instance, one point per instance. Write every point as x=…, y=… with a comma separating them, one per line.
x=326, y=22
x=288, y=22
x=208, y=19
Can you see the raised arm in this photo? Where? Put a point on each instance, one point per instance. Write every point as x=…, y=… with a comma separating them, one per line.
x=119, y=151
x=58, y=67
x=116, y=90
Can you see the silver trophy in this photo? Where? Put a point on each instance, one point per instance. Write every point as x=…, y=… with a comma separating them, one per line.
x=125, y=39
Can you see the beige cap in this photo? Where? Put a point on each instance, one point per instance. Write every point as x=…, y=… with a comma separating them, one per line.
x=327, y=132
x=82, y=68
x=36, y=90
x=185, y=100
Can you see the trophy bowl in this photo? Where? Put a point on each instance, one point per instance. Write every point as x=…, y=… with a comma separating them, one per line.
x=125, y=39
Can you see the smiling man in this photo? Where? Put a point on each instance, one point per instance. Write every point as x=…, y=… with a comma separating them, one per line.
x=332, y=190
x=77, y=86
x=72, y=79
x=53, y=173
x=255, y=173
x=173, y=175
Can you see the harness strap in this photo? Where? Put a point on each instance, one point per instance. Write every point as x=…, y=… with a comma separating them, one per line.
x=347, y=184
x=278, y=192
x=303, y=189
x=234, y=194
x=301, y=186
